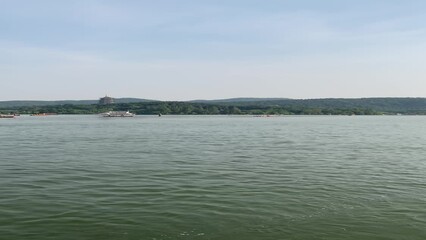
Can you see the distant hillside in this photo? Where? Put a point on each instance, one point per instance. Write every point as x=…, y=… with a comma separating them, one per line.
x=132, y=100
x=25, y=103
x=391, y=105
x=239, y=100
x=338, y=106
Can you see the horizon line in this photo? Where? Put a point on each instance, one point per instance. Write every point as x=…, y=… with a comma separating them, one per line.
x=214, y=99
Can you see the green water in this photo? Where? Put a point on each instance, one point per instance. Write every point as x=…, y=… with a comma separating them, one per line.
x=220, y=177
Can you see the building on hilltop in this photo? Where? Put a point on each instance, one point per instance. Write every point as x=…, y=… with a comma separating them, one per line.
x=106, y=100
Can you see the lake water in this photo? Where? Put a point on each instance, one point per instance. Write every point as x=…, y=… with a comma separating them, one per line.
x=213, y=177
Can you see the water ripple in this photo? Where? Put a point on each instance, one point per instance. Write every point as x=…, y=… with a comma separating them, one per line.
x=81, y=177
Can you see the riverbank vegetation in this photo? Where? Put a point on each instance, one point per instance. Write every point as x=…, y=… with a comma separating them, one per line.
x=248, y=106
x=189, y=108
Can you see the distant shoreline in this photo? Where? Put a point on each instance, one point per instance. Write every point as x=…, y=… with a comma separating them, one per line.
x=361, y=106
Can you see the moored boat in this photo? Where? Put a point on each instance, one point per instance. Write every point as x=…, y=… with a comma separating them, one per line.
x=118, y=114
x=43, y=114
x=7, y=116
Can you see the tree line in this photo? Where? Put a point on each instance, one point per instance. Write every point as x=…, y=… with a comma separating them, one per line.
x=191, y=108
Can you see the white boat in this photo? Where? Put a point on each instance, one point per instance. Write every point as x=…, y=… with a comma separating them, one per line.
x=118, y=114
x=7, y=115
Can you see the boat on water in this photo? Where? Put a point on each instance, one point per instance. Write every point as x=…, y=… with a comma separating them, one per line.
x=7, y=116
x=43, y=114
x=118, y=114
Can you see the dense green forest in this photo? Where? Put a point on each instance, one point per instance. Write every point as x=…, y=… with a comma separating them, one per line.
x=188, y=109
x=363, y=106
x=25, y=103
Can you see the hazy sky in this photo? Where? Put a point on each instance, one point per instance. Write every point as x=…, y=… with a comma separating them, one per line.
x=205, y=49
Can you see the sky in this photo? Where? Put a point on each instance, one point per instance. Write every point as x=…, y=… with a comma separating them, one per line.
x=211, y=49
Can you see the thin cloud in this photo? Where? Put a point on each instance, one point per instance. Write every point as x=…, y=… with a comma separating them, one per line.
x=179, y=50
